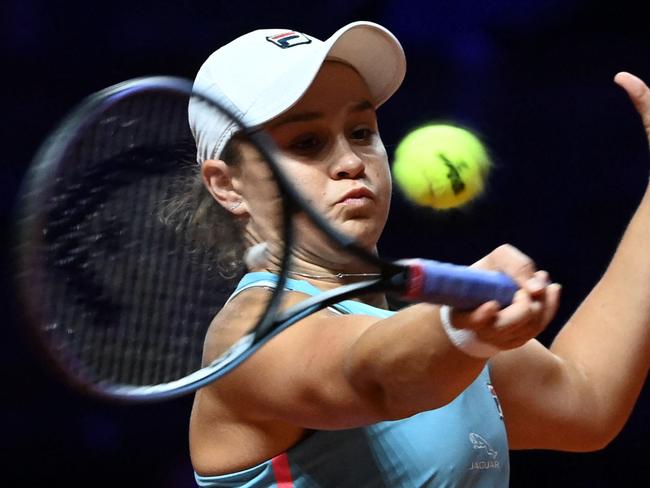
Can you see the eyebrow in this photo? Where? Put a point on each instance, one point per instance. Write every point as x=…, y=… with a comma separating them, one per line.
x=309, y=116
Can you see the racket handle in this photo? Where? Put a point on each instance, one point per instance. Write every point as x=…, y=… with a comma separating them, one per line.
x=457, y=286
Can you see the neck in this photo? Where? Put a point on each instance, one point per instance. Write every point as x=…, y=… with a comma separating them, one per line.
x=327, y=279
x=338, y=277
x=325, y=275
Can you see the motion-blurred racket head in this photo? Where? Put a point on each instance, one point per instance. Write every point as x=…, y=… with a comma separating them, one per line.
x=124, y=259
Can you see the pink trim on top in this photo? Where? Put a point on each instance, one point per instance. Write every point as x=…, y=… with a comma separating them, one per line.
x=282, y=471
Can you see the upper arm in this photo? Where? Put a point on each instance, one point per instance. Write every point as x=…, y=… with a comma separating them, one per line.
x=331, y=371
x=298, y=377
x=545, y=399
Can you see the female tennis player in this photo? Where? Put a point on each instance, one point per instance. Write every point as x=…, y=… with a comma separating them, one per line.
x=358, y=395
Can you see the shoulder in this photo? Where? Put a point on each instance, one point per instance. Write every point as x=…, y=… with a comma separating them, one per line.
x=302, y=351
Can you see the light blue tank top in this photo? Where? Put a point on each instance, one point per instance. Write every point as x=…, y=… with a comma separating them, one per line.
x=462, y=444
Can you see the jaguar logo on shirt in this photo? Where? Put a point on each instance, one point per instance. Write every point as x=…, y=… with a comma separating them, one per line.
x=478, y=442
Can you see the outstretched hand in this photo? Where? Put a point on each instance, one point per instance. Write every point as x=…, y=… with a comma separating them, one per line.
x=639, y=94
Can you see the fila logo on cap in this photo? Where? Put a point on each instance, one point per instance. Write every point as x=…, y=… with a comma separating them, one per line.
x=288, y=39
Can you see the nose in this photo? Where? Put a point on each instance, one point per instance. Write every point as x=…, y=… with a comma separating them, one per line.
x=346, y=162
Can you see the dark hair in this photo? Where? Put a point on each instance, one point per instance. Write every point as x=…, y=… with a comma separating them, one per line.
x=193, y=211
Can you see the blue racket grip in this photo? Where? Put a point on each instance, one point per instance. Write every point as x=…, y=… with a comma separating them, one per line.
x=457, y=286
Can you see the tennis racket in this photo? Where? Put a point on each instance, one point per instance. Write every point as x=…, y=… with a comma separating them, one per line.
x=121, y=275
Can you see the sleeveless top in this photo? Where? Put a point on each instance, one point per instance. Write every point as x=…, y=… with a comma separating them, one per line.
x=462, y=444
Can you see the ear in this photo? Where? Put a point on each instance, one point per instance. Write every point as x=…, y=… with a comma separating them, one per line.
x=218, y=179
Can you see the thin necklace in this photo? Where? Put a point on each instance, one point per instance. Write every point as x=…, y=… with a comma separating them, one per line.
x=337, y=276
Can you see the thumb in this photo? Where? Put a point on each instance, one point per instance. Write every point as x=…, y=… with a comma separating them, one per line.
x=639, y=94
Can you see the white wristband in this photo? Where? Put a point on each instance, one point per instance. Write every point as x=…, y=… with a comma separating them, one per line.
x=465, y=339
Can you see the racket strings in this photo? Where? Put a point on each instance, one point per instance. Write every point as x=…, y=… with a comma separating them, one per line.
x=136, y=295
x=132, y=257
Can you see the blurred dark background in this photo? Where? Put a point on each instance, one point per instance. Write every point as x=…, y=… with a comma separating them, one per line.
x=533, y=78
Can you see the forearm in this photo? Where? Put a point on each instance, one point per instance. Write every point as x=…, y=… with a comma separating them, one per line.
x=607, y=340
x=407, y=363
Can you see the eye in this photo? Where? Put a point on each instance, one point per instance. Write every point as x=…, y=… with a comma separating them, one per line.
x=362, y=134
x=306, y=144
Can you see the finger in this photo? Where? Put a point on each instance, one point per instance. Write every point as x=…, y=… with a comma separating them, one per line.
x=541, y=313
x=639, y=94
x=551, y=303
x=521, y=335
x=518, y=313
x=510, y=320
x=513, y=262
x=478, y=318
x=515, y=335
x=525, y=320
x=537, y=284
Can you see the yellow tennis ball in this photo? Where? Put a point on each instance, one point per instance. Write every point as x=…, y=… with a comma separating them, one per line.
x=441, y=166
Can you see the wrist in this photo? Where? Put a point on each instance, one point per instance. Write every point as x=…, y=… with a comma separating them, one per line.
x=464, y=339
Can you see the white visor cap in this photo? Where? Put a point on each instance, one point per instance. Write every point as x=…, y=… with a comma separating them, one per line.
x=263, y=73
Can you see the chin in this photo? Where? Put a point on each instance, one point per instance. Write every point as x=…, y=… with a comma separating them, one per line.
x=365, y=236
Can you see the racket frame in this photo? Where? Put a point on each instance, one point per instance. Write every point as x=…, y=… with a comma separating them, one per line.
x=44, y=168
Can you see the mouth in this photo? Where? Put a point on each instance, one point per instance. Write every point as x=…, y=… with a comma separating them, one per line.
x=357, y=196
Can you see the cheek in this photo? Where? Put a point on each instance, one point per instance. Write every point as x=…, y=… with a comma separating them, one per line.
x=258, y=186
x=385, y=179
x=309, y=180
x=381, y=176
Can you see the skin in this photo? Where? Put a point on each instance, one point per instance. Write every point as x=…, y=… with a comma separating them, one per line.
x=373, y=370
